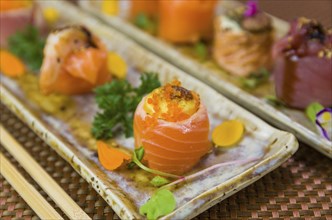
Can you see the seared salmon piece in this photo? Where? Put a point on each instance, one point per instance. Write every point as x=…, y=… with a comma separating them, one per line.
x=74, y=62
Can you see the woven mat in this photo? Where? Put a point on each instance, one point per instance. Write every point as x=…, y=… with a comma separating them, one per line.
x=301, y=188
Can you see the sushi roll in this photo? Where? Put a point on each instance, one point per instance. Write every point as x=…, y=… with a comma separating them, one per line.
x=183, y=21
x=172, y=125
x=243, y=40
x=303, y=65
x=75, y=61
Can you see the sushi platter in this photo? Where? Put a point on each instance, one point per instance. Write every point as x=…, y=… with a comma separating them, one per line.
x=63, y=113
x=215, y=68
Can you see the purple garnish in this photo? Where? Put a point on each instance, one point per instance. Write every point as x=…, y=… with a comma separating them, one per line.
x=320, y=123
x=251, y=8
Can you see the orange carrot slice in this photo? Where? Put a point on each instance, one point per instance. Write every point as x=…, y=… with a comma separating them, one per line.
x=111, y=158
x=10, y=64
x=228, y=133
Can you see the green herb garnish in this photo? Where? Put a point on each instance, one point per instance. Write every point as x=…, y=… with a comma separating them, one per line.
x=159, y=181
x=274, y=101
x=160, y=204
x=146, y=23
x=255, y=79
x=28, y=45
x=201, y=50
x=139, y=152
x=138, y=162
x=312, y=110
x=118, y=101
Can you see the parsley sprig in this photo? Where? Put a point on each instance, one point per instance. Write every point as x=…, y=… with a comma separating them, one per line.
x=28, y=45
x=255, y=79
x=117, y=102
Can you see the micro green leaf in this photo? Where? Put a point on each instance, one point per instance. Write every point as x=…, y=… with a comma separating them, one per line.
x=312, y=110
x=139, y=153
x=147, y=169
x=201, y=50
x=274, y=101
x=144, y=22
x=160, y=204
x=255, y=79
x=159, y=181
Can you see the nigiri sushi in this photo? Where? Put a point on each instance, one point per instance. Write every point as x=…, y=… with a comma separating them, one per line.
x=183, y=21
x=75, y=61
x=243, y=40
x=172, y=125
x=303, y=67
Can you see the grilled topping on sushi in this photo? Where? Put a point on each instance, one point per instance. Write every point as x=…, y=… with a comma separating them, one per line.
x=243, y=40
x=172, y=102
x=250, y=18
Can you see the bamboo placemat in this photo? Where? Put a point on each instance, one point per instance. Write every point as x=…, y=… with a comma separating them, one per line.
x=300, y=189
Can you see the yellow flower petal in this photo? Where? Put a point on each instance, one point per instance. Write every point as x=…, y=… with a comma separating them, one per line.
x=228, y=133
x=116, y=65
x=51, y=15
x=326, y=116
x=110, y=7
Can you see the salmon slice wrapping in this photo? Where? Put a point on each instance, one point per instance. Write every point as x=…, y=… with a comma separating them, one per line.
x=172, y=146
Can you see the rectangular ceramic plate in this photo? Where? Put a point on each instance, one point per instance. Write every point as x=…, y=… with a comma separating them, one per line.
x=64, y=123
x=291, y=120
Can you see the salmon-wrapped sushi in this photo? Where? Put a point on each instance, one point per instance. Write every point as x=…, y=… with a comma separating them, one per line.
x=183, y=21
x=75, y=61
x=303, y=67
x=172, y=125
x=243, y=40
